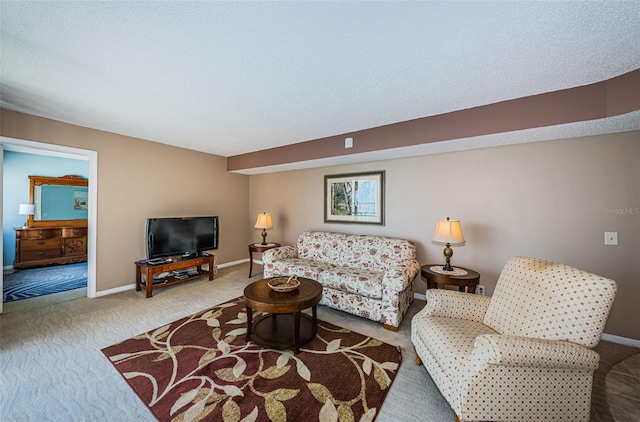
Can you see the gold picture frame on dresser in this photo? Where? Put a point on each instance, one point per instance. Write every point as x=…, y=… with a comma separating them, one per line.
x=58, y=240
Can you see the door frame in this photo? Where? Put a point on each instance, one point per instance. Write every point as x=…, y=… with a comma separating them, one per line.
x=23, y=145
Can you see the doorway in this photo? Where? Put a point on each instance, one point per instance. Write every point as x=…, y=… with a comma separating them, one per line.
x=31, y=147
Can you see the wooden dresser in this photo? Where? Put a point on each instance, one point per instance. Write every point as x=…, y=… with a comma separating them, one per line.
x=36, y=246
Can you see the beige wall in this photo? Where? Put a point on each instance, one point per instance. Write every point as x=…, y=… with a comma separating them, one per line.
x=552, y=200
x=139, y=179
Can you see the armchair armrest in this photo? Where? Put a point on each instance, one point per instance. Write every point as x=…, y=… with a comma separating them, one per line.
x=454, y=304
x=398, y=278
x=283, y=252
x=498, y=349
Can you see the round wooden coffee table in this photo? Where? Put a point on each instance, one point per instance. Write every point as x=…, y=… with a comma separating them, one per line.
x=284, y=326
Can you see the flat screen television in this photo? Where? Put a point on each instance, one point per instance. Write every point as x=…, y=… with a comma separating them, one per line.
x=181, y=236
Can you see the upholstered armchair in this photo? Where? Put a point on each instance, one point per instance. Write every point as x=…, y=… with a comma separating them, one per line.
x=522, y=354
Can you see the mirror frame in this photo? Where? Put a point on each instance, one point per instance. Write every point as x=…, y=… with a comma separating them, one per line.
x=68, y=180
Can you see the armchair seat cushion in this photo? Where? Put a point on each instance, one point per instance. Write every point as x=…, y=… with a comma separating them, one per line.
x=456, y=336
x=353, y=280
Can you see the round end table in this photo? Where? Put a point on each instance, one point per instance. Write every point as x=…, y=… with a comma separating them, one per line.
x=433, y=278
x=259, y=248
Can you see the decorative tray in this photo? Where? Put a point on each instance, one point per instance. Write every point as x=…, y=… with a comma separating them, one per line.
x=284, y=284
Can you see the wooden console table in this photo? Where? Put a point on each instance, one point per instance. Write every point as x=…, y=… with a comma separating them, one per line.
x=177, y=264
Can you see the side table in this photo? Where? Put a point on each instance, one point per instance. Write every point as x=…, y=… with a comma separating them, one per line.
x=259, y=248
x=469, y=280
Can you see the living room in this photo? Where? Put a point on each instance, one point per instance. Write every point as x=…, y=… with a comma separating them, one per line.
x=552, y=199
x=486, y=190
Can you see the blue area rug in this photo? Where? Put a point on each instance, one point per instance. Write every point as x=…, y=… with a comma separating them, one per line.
x=25, y=284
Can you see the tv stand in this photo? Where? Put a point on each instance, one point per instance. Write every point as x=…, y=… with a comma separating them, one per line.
x=178, y=264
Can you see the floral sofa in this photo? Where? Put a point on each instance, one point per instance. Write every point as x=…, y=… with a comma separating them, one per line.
x=368, y=276
x=522, y=354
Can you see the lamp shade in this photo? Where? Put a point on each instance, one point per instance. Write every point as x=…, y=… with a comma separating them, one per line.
x=27, y=209
x=264, y=221
x=448, y=231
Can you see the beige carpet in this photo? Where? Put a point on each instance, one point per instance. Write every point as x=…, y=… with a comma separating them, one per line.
x=51, y=367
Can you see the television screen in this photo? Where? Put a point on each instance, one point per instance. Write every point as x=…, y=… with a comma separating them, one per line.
x=181, y=235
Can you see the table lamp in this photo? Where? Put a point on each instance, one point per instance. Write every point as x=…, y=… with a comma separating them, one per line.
x=264, y=222
x=449, y=232
x=26, y=209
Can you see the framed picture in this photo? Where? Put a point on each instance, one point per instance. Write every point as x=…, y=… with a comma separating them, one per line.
x=81, y=199
x=354, y=198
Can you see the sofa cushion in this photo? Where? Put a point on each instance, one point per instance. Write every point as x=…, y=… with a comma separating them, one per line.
x=300, y=267
x=353, y=280
x=320, y=246
x=451, y=340
x=550, y=301
x=375, y=253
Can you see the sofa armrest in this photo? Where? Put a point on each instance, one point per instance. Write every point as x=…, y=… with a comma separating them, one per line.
x=455, y=304
x=271, y=255
x=275, y=254
x=504, y=350
x=399, y=277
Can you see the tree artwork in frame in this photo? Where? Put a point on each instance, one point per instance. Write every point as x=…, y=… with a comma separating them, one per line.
x=354, y=198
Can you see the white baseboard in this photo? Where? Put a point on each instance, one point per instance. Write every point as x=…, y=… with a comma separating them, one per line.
x=116, y=290
x=606, y=337
x=620, y=340
x=232, y=263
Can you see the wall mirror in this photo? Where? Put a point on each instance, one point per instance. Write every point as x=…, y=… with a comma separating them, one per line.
x=59, y=201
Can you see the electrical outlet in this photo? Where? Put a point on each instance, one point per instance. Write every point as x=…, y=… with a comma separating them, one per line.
x=480, y=290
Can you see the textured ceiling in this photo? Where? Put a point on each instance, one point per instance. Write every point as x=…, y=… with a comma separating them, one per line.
x=233, y=77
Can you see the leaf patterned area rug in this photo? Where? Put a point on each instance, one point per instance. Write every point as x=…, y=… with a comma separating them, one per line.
x=201, y=368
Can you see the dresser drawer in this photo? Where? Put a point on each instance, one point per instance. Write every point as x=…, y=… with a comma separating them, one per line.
x=75, y=246
x=74, y=232
x=180, y=265
x=39, y=249
x=41, y=234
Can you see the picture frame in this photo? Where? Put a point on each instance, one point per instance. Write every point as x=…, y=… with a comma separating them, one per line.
x=81, y=199
x=354, y=198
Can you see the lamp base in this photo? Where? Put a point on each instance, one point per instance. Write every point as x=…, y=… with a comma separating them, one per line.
x=448, y=253
x=447, y=266
x=264, y=237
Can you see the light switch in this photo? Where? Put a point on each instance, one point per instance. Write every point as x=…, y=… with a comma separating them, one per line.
x=611, y=238
x=348, y=142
